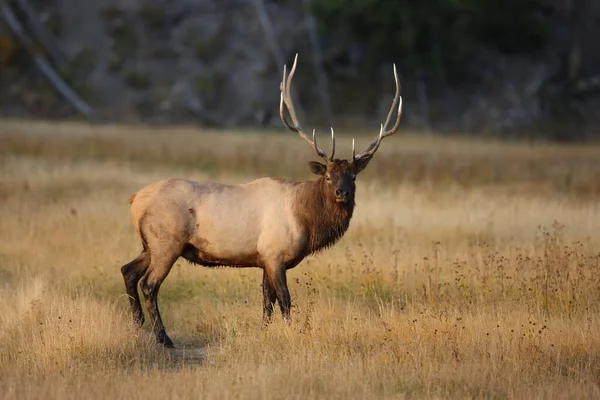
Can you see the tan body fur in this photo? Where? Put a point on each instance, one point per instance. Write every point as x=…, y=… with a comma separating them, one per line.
x=241, y=225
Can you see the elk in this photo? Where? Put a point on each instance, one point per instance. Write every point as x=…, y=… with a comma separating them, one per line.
x=268, y=223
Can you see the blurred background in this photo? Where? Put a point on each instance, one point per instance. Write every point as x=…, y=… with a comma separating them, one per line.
x=506, y=68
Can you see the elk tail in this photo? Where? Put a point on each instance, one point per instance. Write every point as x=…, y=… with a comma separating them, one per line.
x=132, y=198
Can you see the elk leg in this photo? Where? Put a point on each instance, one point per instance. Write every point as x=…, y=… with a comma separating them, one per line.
x=278, y=281
x=269, y=297
x=158, y=271
x=132, y=273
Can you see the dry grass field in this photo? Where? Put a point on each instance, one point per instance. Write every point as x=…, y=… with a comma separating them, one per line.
x=471, y=269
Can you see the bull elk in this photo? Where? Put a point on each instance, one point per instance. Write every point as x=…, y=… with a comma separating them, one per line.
x=268, y=223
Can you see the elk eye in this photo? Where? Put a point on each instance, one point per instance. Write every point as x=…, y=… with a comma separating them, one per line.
x=353, y=177
x=328, y=178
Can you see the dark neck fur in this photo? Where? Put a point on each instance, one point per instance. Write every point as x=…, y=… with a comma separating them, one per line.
x=325, y=220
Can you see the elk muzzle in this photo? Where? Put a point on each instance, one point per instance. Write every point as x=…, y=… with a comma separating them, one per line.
x=342, y=195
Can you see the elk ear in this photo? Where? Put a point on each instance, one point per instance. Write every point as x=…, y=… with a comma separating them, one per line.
x=317, y=168
x=361, y=163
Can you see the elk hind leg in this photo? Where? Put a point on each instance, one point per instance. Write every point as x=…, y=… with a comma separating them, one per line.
x=269, y=298
x=160, y=265
x=132, y=273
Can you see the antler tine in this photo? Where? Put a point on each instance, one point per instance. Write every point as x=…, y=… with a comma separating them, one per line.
x=314, y=139
x=397, y=99
x=284, y=87
x=286, y=98
x=332, y=144
x=372, y=148
x=281, y=88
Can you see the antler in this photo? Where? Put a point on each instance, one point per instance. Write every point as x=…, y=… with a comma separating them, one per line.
x=372, y=148
x=286, y=98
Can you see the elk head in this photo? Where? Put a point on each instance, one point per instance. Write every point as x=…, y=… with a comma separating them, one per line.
x=339, y=175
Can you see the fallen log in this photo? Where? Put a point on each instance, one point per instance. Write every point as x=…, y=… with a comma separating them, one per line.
x=44, y=66
x=39, y=31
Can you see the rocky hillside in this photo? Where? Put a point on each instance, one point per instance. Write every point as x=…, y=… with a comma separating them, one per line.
x=218, y=62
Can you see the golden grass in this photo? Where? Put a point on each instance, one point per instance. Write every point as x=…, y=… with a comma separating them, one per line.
x=471, y=269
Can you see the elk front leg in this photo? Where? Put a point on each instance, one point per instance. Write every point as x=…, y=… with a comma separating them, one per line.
x=269, y=297
x=277, y=279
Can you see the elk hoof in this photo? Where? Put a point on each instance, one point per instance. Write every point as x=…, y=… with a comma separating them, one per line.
x=166, y=341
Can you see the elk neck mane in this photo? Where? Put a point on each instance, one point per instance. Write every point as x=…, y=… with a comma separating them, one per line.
x=324, y=219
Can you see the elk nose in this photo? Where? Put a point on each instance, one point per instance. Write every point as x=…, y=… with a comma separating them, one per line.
x=342, y=193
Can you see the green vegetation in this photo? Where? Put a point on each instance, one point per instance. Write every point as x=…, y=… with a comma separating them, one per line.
x=137, y=79
x=433, y=36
